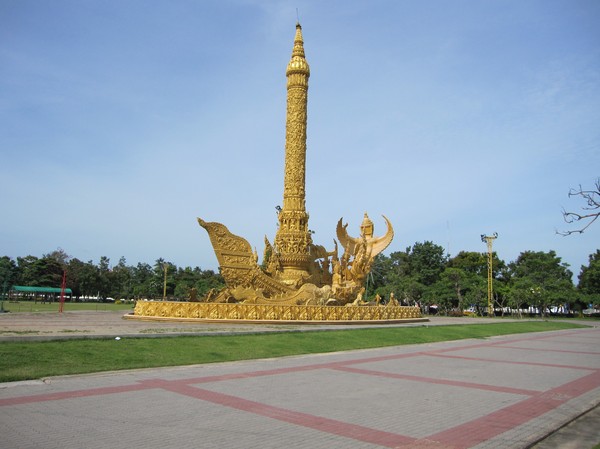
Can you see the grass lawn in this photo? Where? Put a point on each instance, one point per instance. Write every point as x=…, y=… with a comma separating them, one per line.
x=33, y=360
x=31, y=306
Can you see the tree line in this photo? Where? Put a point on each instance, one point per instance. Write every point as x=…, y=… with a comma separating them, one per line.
x=423, y=274
x=539, y=281
x=121, y=281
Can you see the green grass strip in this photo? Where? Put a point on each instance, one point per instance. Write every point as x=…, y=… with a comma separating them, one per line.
x=33, y=360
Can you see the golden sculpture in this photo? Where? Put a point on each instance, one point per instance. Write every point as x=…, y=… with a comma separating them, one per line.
x=296, y=271
x=293, y=242
x=297, y=280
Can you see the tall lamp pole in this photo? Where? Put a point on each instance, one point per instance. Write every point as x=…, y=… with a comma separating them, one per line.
x=489, y=240
x=4, y=287
x=63, y=287
x=165, y=268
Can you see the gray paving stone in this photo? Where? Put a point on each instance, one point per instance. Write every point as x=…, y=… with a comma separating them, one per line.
x=503, y=392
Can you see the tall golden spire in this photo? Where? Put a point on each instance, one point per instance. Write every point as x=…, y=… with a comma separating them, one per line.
x=298, y=62
x=293, y=236
x=294, y=270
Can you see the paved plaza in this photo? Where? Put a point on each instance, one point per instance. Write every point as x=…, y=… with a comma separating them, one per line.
x=501, y=392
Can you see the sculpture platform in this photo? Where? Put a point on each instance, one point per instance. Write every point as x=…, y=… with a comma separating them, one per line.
x=274, y=313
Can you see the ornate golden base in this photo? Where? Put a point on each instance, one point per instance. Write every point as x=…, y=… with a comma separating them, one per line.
x=261, y=313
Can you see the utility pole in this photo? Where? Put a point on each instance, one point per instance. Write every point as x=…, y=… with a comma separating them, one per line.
x=489, y=240
x=63, y=287
x=165, y=268
x=4, y=287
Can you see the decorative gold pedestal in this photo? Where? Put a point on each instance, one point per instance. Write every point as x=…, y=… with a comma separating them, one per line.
x=272, y=314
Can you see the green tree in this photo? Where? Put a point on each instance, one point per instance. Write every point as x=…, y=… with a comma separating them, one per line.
x=142, y=279
x=104, y=277
x=378, y=277
x=540, y=279
x=185, y=281
x=399, y=264
x=158, y=279
x=447, y=292
x=474, y=283
x=44, y=272
x=589, y=277
x=9, y=273
x=589, y=280
x=120, y=280
x=476, y=263
x=410, y=291
x=387, y=275
x=25, y=270
x=82, y=278
x=456, y=280
x=409, y=274
x=522, y=294
x=426, y=261
x=457, y=289
x=209, y=280
x=392, y=275
x=60, y=256
x=477, y=296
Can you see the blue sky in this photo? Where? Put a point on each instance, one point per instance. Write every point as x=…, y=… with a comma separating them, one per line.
x=123, y=121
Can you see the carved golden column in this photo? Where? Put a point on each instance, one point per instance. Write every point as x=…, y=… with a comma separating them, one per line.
x=293, y=236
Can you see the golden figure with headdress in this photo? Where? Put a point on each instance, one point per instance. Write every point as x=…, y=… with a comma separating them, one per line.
x=363, y=248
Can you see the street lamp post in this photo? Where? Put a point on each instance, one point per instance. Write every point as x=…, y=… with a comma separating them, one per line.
x=489, y=240
x=165, y=268
x=4, y=287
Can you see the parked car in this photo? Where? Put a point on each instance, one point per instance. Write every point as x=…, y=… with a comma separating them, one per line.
x=591, y=312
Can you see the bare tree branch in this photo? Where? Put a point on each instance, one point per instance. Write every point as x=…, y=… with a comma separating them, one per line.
x=592, y=200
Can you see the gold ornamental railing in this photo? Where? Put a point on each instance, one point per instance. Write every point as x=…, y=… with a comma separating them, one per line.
x=262, y=312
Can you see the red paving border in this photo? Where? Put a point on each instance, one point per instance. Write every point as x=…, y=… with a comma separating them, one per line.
x=462, y=436
x=480, y=359
x=356, y=432
x=432, y=380
x=500, y=421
